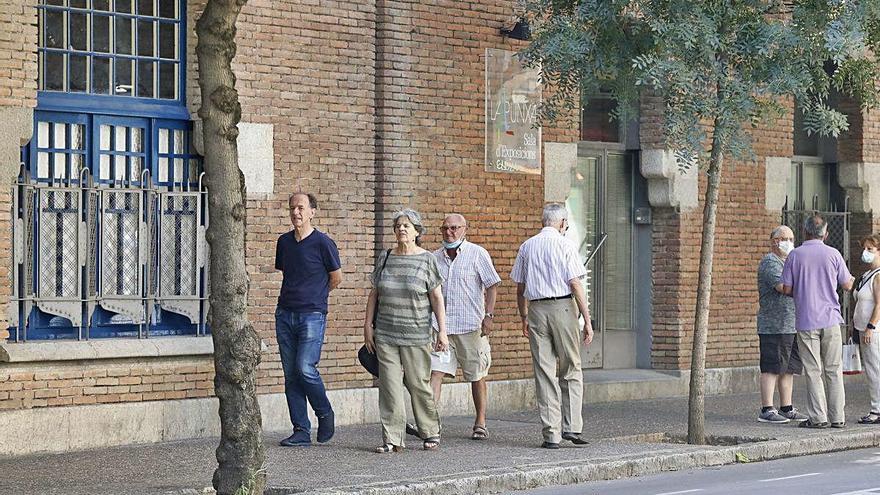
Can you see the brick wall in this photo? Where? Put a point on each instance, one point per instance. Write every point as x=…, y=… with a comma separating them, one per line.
x=18, y=54
x=63, y=384
x=308, y=70
x=378, y=105
x=430, y=143
x=859, y=143
x=742, y=228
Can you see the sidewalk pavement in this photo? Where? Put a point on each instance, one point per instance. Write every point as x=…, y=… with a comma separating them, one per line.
x=625, y=441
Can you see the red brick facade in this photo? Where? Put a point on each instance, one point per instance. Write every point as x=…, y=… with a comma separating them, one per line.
x=377, y=106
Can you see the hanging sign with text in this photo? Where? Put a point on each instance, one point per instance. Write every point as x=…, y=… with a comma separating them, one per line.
x=513, y=98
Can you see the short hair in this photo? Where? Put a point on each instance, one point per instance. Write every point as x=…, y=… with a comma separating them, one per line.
x=313, y=201
x=873, y=240
x=778, y=231
x=414, y=218
x=815, y=227
x=553, y=212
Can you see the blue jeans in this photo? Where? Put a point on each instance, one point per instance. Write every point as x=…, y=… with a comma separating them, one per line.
x=300, y=337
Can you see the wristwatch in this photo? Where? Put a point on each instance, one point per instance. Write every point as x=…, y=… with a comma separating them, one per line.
x=870, y=326
x=490, y=315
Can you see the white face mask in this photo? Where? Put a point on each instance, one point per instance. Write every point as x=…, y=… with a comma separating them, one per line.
x=868, y=257
x=786, y=247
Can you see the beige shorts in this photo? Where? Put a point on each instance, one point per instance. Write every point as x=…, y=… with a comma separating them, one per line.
x=469, y=351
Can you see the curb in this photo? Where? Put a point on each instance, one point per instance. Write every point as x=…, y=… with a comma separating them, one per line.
x=652, y=462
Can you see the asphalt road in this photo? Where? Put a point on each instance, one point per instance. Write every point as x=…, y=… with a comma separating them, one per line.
x=855, y=472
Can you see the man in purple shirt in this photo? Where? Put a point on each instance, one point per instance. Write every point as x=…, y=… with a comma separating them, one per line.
x=811, y=275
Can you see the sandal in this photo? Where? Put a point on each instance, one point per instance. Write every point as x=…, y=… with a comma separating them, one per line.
x=480, y=433
x=871, y=418
x=432, y=443
x=388, y=448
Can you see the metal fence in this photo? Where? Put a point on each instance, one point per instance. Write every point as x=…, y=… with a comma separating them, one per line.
x=838, y=227
x=132, y=252
x=838, y=238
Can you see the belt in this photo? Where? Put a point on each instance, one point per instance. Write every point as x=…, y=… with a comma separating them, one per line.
x=567, y=296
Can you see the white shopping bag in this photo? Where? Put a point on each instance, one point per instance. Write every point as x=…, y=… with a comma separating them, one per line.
x=850, y=358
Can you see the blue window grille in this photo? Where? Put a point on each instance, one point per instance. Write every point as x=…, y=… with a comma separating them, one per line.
x=123, y=56
x=109, y=208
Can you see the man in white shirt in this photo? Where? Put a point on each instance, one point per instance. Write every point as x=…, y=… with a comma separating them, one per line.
x=470, y=284
x=549, y=294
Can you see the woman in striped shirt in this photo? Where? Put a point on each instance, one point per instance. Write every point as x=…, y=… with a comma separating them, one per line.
x=397, y=328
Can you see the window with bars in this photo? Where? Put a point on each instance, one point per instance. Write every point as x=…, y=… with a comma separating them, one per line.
x=111, y=47
x=109, y=208
x=813, y=184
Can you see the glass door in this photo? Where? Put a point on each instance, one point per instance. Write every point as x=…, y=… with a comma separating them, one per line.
x=600, y=205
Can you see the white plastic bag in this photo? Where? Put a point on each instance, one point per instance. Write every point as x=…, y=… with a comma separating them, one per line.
x=851, y=360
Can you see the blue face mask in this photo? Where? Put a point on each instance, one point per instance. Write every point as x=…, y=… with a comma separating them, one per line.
x=454, y=244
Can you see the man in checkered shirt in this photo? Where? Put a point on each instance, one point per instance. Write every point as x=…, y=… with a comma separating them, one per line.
x=470, y=285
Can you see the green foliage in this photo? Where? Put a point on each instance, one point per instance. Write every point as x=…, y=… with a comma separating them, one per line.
x=717, y=64
x=250, y=486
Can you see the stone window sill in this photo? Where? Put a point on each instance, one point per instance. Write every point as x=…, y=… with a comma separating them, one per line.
x=30, y=352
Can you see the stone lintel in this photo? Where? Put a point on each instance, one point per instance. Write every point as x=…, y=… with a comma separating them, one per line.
x=668, y=186
x=31, y=352
x=861, y=181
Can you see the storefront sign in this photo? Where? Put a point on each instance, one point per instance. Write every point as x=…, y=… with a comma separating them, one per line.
x=513, y=97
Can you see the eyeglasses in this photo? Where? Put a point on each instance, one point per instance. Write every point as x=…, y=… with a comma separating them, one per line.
x=452, y=228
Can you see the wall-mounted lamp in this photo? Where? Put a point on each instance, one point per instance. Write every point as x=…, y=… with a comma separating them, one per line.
x=519, y=31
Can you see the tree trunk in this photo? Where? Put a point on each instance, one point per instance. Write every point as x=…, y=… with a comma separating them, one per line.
x=240, y=454
x=696, y=395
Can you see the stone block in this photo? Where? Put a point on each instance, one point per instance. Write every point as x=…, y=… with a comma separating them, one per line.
x=559, y=160
x=256, y=157
x=777, y=177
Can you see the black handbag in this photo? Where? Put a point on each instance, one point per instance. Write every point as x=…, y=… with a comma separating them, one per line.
x=368, y=359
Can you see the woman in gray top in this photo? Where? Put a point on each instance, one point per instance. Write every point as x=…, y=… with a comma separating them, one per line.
x=397, y=328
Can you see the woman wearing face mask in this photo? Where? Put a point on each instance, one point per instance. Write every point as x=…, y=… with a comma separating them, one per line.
x=866, y=315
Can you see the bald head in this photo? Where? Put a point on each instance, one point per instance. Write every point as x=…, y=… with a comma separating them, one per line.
x=455, y=218
x=453, y=228
x=781, y=241
x=781, y=231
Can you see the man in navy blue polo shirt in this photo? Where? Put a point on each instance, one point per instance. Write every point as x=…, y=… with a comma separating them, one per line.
x=310, y=263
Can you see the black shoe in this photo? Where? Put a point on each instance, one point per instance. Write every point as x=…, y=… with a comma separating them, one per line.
x=575, y=438
x=550, y=445
x=413, y=430
x=326, y=427
x=300, y=438
x=810, y=424
x=839, y=424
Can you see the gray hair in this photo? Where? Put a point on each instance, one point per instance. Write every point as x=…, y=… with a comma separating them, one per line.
x=553, y=213
x=815, y=227
x=313, y=201
x=414, y=218
x=778, y=231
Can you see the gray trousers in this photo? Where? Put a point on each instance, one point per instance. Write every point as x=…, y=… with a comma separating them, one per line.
x=820, y=352
x=871, y=365
x=409, y=366
x=555, y=338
